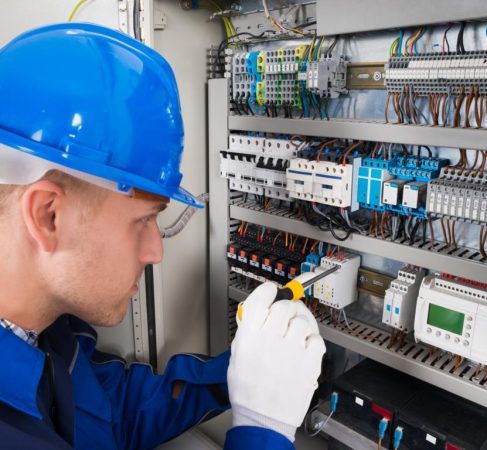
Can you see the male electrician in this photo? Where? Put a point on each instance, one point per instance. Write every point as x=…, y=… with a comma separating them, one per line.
x=91, y=138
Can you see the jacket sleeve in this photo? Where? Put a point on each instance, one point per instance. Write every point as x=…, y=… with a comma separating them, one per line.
x=244, y=438
x=144, y=414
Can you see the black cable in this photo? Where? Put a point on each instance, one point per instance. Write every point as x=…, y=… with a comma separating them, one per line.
x=460, y=46
x=136, y=19
x=348, y=232
x=304, y=25
x=249, y=107
x=404, y=150
x=243, y=33
x=414, y=231
x=446, y=37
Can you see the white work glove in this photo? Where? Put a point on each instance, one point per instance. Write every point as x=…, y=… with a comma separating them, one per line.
x=275, y=362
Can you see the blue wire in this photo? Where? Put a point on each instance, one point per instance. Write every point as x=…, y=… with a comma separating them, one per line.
x=399, y=44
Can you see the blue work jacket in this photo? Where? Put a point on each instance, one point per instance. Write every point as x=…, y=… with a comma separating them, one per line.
x=66, y=394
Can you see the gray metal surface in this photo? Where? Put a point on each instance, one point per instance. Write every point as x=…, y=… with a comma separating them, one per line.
x=442, y=262
x=370, y=131
x=348, y=436
x=335, y=18
x=416, y=360
x=218, y=94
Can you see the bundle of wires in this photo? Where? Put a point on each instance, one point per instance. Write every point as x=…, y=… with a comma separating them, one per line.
x=215, y=7
x=278, y=26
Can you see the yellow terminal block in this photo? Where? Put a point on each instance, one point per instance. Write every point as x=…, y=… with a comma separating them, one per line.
x=299, y=52
x=260, y=93
x=261, y=61
x=280, y=54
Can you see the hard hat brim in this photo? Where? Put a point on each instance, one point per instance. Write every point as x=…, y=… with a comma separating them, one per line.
x=124, y=179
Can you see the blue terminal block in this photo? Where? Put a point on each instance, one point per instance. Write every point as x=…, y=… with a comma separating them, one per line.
x=251, y=63
x=308, y=267
x=371, y=177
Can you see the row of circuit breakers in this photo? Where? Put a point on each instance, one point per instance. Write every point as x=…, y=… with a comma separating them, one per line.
x=333, y=175
x=444, y=311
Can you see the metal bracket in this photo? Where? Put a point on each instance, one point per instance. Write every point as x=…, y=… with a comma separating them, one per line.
x=123, y=15
x=160, y=19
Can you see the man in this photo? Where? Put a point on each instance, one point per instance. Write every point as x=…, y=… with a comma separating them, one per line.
x=91, y=139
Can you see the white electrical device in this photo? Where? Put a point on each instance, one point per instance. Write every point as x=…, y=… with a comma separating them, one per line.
x=400, y=299
x=256, y=165
x=452, y=315
x=338, y=289
x=324, y=182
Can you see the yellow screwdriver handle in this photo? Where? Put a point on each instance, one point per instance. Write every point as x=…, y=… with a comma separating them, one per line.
x=293, y=290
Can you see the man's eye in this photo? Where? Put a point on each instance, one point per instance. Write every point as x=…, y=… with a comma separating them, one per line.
x=148, y=219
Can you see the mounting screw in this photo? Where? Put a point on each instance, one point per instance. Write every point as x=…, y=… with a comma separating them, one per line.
x=186, y=4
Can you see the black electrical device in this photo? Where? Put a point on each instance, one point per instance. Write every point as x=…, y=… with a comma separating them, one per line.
x=369, y=393
x=437, y=419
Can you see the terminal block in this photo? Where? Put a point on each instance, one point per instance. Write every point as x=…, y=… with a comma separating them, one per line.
x=400, y=299
x=436, y=73
x=328, y=77
x=338, y=289
x=241, y=79
x=457, y=200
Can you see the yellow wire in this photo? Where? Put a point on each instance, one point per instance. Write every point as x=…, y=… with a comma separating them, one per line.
x=75, y=9
x=321, y=45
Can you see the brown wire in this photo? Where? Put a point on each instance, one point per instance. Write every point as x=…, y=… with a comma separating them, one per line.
x=322, y=147
x=453, y=240
x=478, y=111
x=445, y=236
x=443, y=110
x=386, y=109
x=468, y=104
x=480, y=172
x=415, y=114
x=458, y=105
x=397, y=109
x=297, y=136
x=407, y=105
x=482, y=242
x=432, y=233
x=351, y=149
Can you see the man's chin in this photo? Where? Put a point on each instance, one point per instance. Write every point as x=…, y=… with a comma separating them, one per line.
x=110, y=319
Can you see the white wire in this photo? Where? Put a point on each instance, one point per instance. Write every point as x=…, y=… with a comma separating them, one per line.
x=312, y=434
x=342, y=311
x=182, y=220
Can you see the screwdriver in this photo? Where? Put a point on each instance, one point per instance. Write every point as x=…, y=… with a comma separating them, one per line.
x=294, y=290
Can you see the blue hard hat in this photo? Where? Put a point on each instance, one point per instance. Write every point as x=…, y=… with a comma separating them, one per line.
x=94, y=100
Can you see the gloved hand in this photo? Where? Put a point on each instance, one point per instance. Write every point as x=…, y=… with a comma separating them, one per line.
x=275, y=362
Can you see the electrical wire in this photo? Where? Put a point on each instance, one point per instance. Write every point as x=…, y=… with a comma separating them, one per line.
x=75, y=9
x=460, y=46
x=184, y=218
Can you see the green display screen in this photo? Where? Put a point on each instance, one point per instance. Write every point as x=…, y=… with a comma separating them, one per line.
x=446, y=319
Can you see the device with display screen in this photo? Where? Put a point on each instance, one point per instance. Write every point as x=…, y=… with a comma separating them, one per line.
x=452, y=315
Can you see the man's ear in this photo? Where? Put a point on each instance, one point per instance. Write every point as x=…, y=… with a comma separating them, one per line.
x=40, y=204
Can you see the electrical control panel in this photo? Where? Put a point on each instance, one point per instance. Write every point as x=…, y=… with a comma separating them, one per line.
x=400, y=299
x=452, y=315
x=384, y=165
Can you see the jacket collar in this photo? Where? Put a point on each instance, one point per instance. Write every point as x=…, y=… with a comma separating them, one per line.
x=21, y=367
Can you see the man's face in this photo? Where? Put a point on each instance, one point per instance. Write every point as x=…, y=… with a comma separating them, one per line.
x=101, y=256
